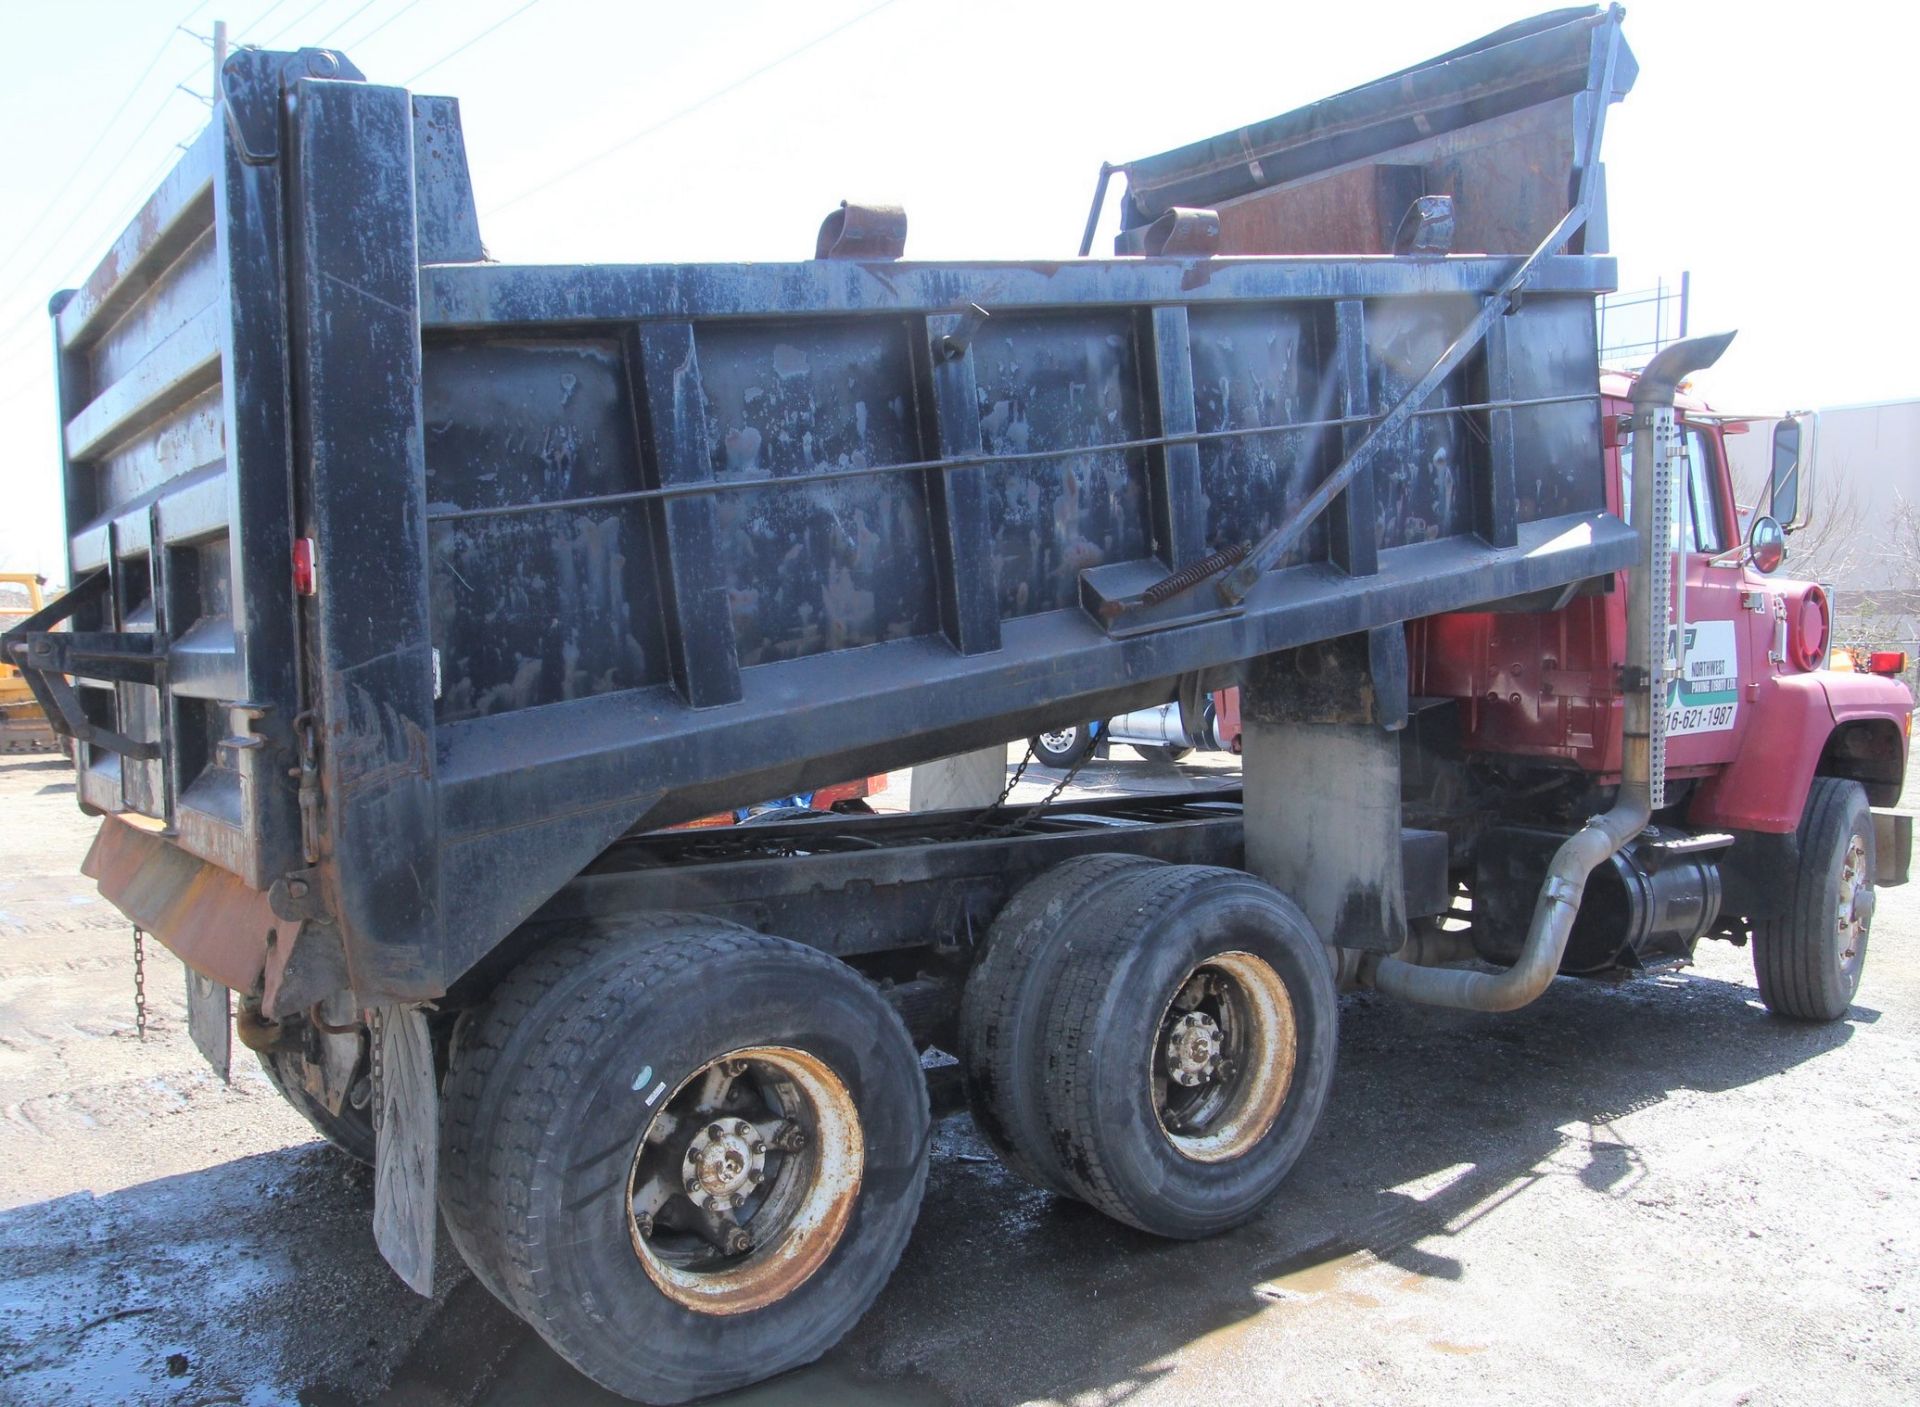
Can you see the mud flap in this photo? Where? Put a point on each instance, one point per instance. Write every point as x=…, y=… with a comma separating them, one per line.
x=1892, y=848
x=406, y=1143
x=210, y=1022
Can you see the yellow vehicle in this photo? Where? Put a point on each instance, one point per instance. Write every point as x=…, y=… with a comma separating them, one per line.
x=23, y=723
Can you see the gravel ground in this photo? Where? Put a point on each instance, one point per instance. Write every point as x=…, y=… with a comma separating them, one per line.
x=1648, y=1191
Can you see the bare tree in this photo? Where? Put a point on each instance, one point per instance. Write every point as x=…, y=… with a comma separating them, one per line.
x=1892, y=602
x=1899, y=550
x=1835, y=544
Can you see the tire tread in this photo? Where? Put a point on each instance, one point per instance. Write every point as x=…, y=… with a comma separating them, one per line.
x=1075, y=1015
x=1000, y=1004
x=1790, y=952
x=522, y=1059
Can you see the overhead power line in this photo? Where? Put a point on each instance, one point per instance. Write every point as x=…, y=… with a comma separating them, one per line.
x=718, y=93
x=36, y=310
x=293, y=23
x=86, y=206
x=454, y=53
x=93, y=149
x=244, y=30
x=355, y=43
x=21, y=287
x=348, y=20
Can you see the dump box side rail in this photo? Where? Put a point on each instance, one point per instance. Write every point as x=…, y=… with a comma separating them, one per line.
x=411, y=582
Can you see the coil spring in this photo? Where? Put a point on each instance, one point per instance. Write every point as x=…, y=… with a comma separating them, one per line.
x=1193, y=574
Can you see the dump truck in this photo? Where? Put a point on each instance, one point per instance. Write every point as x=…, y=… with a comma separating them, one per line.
x=23, y=722
x=416, y=597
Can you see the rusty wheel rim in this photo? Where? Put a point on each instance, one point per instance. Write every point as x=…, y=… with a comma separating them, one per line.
x=1223, y=1057
x=1849, y=924
x=744, y=1179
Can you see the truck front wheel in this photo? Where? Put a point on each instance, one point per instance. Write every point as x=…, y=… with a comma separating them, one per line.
x=703, y=1159
x=1064, y=747
x=1808, y=960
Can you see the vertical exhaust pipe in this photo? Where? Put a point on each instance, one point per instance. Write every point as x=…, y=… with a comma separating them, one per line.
x=1643, y=761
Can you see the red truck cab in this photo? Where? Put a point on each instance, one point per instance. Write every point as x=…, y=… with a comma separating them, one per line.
x=1754, y=716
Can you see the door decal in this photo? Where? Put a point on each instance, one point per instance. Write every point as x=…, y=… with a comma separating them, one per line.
x=1705, y=696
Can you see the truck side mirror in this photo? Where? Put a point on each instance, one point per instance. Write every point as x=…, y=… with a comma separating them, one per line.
x=1783, y=483
x=1767, y=544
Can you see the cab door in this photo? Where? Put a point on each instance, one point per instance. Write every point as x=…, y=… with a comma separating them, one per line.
x=1710, y=647
x=1714, y=645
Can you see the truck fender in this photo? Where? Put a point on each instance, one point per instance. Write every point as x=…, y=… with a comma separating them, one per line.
x=1842, y=725
x=1872, y=719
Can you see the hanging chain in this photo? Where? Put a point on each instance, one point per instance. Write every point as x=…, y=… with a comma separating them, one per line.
x=1030, y=812
x=140, y=982
x=376, y=1059
x=1012, y=782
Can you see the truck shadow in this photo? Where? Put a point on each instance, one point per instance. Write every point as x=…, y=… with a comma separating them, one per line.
x=261, y=1270
x=35, y=762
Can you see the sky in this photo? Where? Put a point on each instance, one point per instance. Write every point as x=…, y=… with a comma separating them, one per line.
x=1764, y=150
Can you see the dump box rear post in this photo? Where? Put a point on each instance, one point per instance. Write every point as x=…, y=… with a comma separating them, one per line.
x=413, y=591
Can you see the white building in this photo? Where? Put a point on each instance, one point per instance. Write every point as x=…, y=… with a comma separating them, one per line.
x=1863, y=539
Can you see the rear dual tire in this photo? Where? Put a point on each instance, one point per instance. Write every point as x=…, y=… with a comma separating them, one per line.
x=1003, y=1035
x=1184, y=1020
x=630, y=1101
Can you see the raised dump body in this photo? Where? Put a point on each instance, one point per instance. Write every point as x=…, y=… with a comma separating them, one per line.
x=406, y=582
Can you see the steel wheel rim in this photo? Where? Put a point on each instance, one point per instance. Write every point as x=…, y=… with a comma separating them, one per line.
x=1060, y=740
x=1849, y=925
x=1243, y=1048
x=772, y=1126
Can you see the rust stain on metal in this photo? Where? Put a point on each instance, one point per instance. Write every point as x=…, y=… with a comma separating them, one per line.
x=835, y=1159
x=204, y=916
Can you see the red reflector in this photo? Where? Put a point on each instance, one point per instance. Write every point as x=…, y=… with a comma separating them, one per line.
x=1887, y=662
x=303, y=566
